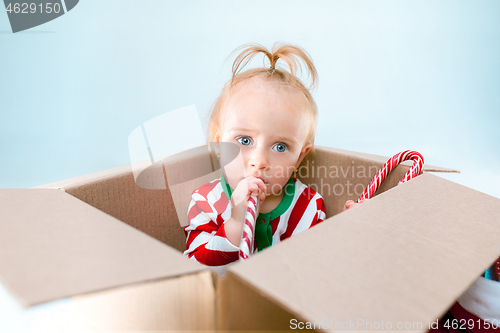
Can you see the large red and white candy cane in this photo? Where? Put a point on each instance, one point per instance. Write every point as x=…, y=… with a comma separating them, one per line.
x=248, y=235
x=418, y=163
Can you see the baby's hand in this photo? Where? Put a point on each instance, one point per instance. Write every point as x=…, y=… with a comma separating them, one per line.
x=239, y=199
x=349, y=204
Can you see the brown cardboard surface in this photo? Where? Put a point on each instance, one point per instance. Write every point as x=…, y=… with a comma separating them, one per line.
x=178, y=304
x=53, y=245
x=235, y=298
x=404, y=256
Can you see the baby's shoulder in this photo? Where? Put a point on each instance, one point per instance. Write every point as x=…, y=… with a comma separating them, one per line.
x=305, y=190
x=206, y=189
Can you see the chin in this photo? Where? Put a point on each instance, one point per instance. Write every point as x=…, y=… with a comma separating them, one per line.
x=273, y=190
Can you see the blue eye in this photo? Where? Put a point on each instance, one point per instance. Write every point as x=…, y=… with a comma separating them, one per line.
x=280, y=148
x=245, y=141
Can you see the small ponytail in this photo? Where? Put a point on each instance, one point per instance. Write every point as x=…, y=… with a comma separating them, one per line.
x=290, y=54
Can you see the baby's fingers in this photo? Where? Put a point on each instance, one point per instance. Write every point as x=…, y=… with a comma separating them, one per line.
x=261, y=185
x=349, y=204
x=262, y=197
x=254, y=189
x=256, y=185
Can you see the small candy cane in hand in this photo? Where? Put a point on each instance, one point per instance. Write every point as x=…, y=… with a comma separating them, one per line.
x=248, y=235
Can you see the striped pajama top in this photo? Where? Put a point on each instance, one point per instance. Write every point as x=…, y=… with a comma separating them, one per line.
x=300, y=209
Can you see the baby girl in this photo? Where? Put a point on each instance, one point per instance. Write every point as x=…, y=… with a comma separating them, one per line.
x=271, y=117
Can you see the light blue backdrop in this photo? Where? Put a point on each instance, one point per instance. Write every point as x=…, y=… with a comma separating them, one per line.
x=394, y=75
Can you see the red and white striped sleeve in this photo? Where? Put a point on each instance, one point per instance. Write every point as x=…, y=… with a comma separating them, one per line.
x=206, y=240
x=308, y=210
x=321, y=211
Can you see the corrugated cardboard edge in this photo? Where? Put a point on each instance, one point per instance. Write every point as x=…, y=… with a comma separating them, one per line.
x=104, y=174
x=383, y=159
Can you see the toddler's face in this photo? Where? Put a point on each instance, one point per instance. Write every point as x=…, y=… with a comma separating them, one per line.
x=259, y=119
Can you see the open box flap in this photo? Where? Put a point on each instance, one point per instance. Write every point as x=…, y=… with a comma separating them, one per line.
x=403, y=256
x=53, y=245
x=383, y=159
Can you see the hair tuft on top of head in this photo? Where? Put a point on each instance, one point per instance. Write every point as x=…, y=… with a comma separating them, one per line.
x=288, y=53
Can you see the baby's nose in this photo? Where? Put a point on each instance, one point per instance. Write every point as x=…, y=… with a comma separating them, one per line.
x=259, y=159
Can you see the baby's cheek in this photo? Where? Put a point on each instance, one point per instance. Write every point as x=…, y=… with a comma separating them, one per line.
x=279, y=175
x=286, y=171
x=233, y=166
x=280, y=179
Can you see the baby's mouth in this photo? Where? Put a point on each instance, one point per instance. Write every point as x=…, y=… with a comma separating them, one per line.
x=265, y=182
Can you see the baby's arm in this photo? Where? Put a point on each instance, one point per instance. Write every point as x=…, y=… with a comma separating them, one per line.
x=210, y=240
x=321, y=209
x=319, y=203
x=206, y=238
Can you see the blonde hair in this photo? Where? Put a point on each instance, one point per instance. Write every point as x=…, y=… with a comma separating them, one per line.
x=288, y=53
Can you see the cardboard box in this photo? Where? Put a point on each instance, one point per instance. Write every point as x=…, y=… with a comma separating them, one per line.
x=404, y=256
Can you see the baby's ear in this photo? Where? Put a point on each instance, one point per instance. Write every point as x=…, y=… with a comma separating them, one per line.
x=307, y=147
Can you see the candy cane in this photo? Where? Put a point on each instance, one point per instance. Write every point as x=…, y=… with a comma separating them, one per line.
x=247, y=237
x=497, y=268
x=418, y=163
